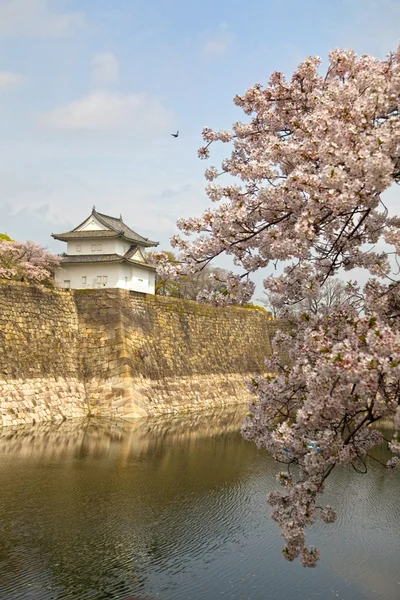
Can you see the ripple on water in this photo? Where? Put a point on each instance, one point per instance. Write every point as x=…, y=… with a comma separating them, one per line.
x=176, y=509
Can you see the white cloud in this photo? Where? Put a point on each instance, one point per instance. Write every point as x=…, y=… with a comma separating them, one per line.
x=36, y=17
x=217, y=43
x=105, y=68
x=110, y=111
x=42, y=194
x=9, y=79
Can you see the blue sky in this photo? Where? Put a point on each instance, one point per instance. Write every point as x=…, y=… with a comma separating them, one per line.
x=91, y=89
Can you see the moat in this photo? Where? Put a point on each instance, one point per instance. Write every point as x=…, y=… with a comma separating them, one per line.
x=175, y=509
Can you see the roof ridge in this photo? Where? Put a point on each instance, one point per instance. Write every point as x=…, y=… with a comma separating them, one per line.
x=109, y=216
x=102, y=216
x=114, y=224
x=124, y=227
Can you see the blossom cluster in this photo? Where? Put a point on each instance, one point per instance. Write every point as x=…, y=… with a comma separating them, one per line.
x=305, y=175
x=26, y=261
x=344, y=376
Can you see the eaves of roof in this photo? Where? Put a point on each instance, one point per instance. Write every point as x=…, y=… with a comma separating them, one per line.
x=103, y=258
x=114, y=227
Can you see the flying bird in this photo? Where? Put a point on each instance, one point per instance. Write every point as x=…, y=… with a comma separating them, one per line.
x=175, y=135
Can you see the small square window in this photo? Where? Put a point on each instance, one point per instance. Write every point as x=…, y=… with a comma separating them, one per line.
x=104, y=278
x=99, y=247
x=98, y=278
x=84, y=279
x=93, y=247
x=78, y=248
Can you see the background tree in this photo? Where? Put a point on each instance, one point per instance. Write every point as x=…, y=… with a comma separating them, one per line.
x=309, y=167
x=26, y=261
x=272, y=304
x=5, y=238
x=334, y=294
x=208, y=281
x=165, y=286
x=193, y=286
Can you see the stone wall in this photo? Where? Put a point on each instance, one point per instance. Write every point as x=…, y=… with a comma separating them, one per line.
x=154, y=354
x=110, y=353
x=40, y=376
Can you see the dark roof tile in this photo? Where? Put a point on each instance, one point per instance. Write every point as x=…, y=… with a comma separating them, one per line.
x=102, y=258
x=117, y=226
x=74, y=235
x=91, y=258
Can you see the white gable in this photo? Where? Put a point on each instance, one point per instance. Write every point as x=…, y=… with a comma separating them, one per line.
x=91, y=224
x=138, y=256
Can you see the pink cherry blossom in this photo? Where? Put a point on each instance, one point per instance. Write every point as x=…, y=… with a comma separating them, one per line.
x=26, y=261
x=304, y=184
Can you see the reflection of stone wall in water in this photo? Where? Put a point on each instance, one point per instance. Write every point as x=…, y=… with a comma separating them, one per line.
x=99, y=437
x=110, y=353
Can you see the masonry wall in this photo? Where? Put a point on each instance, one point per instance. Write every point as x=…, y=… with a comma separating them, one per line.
x=112, y=353
x=154, y=354
x=40, y=375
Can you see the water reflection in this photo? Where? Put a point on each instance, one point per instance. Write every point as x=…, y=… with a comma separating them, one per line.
x=175, y=509
x=97, y=437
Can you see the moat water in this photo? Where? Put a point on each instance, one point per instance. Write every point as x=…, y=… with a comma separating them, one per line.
x=175, y=509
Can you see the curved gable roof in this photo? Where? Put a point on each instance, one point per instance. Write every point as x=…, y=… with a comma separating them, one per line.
x=119, y=226
x=111, y=224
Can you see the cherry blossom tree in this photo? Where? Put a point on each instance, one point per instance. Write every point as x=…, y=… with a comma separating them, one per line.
x=304, y=183
x=202, y=285
x=333, y=294
x=165, y=286
x=26, y=261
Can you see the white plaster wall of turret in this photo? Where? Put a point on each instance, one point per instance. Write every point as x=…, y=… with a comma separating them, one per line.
x=97, y=245
x=106, y=275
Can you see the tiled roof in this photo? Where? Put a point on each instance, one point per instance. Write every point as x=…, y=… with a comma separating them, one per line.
x=92, y=258
x=73, y=235
x=117, y=226
x=102, y=258
x=132, y=250
x=140, y=263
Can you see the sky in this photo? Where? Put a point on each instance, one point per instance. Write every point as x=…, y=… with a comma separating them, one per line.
x=90, y=91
